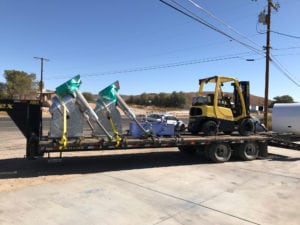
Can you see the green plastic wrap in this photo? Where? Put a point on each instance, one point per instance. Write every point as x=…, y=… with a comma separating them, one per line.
x=68, y=87
x=109, y=94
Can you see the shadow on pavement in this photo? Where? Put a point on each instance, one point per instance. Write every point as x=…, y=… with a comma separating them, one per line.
x=21, y=168
x=282, y=158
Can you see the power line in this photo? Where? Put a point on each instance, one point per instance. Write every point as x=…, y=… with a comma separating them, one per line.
x=191, y=15
x=283, y=70
x=280, y=55
x=287, y=48
x=274, y=61
x=258, y=31
x=198, y=19
x=163, y=66
x=222, y=22
x=265, y=19
x=287, y=35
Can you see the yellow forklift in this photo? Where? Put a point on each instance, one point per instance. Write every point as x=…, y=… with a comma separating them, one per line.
x=217, y=111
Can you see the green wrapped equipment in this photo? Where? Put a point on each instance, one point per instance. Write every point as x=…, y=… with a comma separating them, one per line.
x=69, y=87
x=109, y=94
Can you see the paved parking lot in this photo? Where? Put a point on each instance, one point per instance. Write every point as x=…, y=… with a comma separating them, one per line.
x=154, y=186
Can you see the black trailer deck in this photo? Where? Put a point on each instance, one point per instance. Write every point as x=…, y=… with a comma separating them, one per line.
x=90, y=143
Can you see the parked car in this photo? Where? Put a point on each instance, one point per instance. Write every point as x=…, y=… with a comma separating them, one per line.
x=167, y=118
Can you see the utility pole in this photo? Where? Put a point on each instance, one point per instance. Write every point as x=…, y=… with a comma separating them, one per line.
x=266, y=20
x=266, y=105
x=41, y=91
x=41, y=81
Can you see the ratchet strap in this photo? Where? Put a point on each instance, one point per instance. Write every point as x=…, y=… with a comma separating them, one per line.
x=64, y=139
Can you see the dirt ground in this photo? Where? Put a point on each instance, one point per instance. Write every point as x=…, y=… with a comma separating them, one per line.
x=16, y=172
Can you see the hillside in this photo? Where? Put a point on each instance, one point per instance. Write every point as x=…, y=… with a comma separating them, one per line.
x=254, y=100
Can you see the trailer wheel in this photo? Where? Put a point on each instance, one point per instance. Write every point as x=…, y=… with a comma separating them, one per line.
x=248, y=151
x=187, y=149
x=246, y=127
x=210, y=128
x=218, y=152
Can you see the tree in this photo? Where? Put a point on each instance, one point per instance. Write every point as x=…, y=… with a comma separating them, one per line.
x=88, y=96
x=20, y=85
x=2, y=90
x=282, y=99
x=177, y=100
x=161, y=100
x=130, y=100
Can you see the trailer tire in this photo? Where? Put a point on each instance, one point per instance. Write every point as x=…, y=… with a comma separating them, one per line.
x=218, y=152
x=246, y=127
x=248, y=151
x=210, y=128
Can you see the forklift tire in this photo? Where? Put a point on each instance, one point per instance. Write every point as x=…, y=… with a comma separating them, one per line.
x=218, y=152
x=248, y=151
x=209, y=128
x=246, y=127
x=192, y=130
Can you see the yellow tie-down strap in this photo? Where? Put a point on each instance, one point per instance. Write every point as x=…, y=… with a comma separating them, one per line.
x=64, y=139
x=115, y=131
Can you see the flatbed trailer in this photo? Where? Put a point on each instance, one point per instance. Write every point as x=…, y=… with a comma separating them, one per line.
x=27, y=115
x=217, y=148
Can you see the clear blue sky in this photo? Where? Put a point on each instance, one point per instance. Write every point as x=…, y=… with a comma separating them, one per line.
x=110, y=40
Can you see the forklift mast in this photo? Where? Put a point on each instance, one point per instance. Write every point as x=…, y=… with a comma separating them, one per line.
x=245, y=86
